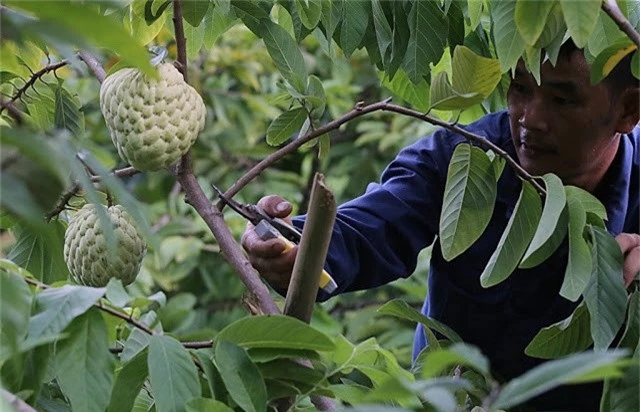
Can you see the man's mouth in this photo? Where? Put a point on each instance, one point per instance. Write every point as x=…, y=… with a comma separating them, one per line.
x=532, y=150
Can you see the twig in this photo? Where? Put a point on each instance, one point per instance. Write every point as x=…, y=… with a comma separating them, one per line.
x=13, y=111
x=188, y=345
x=611, y=8
x=361, y=110
x=66, y=196
x=93, y=65
x=34, y=78
x=100, y=306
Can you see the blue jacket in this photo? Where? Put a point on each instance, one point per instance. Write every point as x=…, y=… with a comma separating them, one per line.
x=377, y=238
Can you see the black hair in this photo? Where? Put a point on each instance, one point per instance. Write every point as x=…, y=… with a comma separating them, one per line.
x=619, y=79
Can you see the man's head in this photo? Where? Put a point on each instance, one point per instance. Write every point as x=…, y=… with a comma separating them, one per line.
x=567, y=125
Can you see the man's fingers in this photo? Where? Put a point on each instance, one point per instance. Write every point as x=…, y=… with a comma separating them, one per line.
x=631, y=265
x=275, y=206
x=630, y=246
x=261, y=248
x=628, y=241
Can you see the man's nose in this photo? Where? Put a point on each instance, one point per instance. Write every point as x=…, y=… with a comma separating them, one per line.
x=535, y=115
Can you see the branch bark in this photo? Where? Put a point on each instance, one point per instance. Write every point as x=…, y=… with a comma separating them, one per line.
x=32, y=80
x=361, y=110
x=611, y=8
x=312, y=252
x=93, y=64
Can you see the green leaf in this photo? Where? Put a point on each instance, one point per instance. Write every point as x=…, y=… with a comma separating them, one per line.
x=172, y=374
x=623, y=394
x=581, y=18
x=355, y=19
x=309, y=12
x=415, y=94
x=290, y=370
x=563, y=338
x=331, y=17
x=215, y=23
x=316, y=97
x=509, y=43
x=469, y=196
x=275, y=332
x=474, y=10
x=531, y=28
x=554, y=373
x=86, y=23
x=154, y=9
x=635, y=64
x=605, y=295
x=429, y=29
x=67, y=111
x=474, y=78
x=129, y=383
x=402, y=310
x=84, y=365
x=285, y=53
x=241, y=376
x=57, y=307
x=193, y=11
x=457, y=354
x=579, y=266
x=605, y=34
x=554, y=205
x=515, y=239
x=206, y=405
x=589, y=202
x=607, y=60
x=284, y=126
x=383, y=30
x=15, y=308
x=41, y=252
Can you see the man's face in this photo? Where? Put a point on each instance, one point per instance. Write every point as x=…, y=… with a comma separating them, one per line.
x=565, y=125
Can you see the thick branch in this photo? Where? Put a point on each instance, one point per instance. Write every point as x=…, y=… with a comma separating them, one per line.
x=228, y=245
x=361, y=110
x=34, y=78
x=312, y=252
x=100, y=306
x=181, y=41
x=93, y=64
x=611, y=8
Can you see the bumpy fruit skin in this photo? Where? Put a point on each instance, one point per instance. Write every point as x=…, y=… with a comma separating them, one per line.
x=87, y=255
x=152, y=122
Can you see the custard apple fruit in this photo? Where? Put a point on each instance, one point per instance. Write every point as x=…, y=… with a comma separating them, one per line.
x=87, y=255
x=152, y=122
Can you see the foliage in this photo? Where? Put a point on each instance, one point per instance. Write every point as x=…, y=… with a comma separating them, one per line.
x=180, y=337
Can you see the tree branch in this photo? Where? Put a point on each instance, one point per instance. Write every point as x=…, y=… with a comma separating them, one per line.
x=66, y=196
x=34, y=78
x=361, y=110
x=181, y=41
x=611, y=8
x=188, y=345
x=100, y=306
x=93, y=64
x=312, y=252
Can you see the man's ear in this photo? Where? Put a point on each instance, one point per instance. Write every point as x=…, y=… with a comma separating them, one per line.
x=629, y=110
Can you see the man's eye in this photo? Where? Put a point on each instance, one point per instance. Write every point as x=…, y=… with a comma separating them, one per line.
x=519, y=88
x=562, y=101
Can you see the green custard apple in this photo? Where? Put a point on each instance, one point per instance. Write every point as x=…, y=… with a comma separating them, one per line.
x=87, y=254
x=152, y=122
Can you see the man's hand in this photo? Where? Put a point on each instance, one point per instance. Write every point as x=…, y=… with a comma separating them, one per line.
x=630, y=245
x=266, y=256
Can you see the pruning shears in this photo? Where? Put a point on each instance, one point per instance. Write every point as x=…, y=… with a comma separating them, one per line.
x=267, y=227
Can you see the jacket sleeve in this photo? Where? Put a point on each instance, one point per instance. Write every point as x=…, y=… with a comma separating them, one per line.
x=377, y=237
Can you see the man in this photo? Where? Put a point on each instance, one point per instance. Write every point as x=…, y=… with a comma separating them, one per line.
x=586, y=134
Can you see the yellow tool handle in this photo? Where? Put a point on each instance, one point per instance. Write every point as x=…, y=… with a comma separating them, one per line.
x=326, y=281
